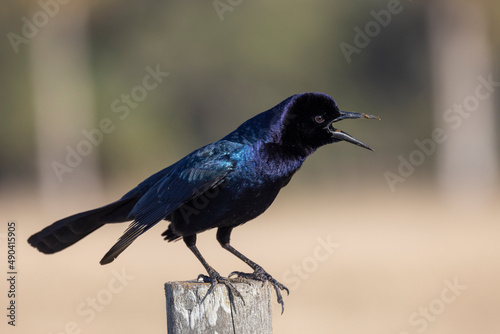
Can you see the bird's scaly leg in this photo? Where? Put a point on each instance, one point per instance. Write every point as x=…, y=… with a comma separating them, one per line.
x=213, y=276
x=258, y=272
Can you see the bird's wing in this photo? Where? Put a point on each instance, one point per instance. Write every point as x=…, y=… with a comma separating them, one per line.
x=193, y=175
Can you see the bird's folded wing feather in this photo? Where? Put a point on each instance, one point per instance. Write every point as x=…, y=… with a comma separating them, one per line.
x=193, y=175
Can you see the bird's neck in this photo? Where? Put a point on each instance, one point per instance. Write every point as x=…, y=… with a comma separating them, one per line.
x=293, y=148
x=281, y=158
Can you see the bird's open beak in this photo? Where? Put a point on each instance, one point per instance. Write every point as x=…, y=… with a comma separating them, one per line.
x=341, y=135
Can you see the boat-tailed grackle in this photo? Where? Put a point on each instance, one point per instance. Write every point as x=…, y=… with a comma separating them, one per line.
x=221, y=185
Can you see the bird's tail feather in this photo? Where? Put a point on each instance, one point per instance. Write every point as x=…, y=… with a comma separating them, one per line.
x=143, y=222
x=65, y=232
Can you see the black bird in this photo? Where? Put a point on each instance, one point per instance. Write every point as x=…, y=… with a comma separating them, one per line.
x=221, y=185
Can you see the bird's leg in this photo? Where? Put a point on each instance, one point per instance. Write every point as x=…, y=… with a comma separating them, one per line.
x=213, y=276
x=223, y=236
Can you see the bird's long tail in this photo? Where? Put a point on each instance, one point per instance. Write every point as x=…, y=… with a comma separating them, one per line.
x=65, y=232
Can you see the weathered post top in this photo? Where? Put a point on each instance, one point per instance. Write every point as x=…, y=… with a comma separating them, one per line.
x=186, y=315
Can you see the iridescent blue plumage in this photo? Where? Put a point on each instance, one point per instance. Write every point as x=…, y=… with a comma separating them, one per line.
x=221, y=185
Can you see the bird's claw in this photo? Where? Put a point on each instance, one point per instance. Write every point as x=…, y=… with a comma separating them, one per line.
x=214, y=278
x=260, y=274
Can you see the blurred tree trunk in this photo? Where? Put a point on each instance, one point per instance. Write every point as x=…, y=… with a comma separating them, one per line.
x=467, y=160
x=63, y=109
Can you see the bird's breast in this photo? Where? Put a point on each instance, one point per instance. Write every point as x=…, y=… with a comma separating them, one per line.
x=246, y=192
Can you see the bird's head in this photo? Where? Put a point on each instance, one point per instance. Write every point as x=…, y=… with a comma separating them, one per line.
x=309, y=119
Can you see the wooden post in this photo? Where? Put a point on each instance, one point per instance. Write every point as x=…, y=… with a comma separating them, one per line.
x=186, y=313
x=462, y=61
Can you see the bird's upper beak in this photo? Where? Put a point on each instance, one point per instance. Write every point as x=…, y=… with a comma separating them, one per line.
x=341, y=135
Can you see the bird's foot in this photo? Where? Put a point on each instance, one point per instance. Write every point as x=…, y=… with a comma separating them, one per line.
x=214, y=278
x=260, y=274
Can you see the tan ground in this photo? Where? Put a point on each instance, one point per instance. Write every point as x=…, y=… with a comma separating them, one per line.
x=388, y=273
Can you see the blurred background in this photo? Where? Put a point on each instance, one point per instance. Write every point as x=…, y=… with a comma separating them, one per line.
x=95, y=97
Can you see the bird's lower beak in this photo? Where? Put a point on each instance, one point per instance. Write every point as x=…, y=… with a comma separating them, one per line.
x=341, y=135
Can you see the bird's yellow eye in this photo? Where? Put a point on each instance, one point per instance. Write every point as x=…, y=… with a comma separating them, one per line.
x=319, y=119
